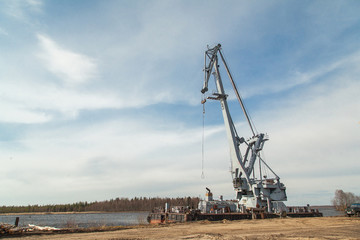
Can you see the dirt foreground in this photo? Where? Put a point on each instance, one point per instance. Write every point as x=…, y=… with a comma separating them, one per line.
x=288, y=228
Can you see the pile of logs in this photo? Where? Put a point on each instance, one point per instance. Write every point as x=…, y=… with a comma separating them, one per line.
x=9, y=229
x=6, y=229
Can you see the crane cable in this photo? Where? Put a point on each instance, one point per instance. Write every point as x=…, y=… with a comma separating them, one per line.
x=203, y=138
x=262, y=159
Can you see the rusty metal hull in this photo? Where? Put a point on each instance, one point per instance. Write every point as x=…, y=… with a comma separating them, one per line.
x=305, y=214
x=156, y=218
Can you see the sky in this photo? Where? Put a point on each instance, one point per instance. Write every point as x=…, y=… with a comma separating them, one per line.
x=101, y=99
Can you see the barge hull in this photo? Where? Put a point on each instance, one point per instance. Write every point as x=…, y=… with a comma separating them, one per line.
x=156, y=218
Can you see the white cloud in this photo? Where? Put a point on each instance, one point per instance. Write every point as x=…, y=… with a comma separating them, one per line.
x=114, y=156
x=15, y=113
x=161, y=60
x=26, y=101
x=70, y=67
x=298, y=78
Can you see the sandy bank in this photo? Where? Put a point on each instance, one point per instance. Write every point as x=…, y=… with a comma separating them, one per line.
x=289, y=228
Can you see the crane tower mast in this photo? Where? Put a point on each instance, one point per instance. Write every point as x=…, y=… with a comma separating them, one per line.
x=253, y=190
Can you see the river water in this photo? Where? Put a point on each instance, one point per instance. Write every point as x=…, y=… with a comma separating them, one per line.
x=102, y=219
x=329, y=211
x=78, y=219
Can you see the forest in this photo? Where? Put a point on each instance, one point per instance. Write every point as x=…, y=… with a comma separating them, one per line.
x=112, y=205
x=340, y=201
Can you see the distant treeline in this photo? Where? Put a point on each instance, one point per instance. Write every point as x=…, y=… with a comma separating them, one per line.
x=113, y=205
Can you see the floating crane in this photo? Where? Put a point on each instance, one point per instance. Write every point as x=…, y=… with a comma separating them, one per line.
x=258, y=194
x=253, y=189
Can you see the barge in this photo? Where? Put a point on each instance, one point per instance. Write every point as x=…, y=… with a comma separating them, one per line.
x=218, y=210
x=173, y=217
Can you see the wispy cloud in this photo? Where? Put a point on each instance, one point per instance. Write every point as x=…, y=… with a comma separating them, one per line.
x=13, y=113
x=20, y=9
x=123, y=153
x=24, y=102
x=69, y=66
x=298, y=78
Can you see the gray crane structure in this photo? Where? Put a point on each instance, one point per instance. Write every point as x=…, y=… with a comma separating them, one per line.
x=253, y=189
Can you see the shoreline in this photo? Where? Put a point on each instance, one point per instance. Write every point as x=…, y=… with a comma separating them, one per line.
x=94, y=212
x=286, y=228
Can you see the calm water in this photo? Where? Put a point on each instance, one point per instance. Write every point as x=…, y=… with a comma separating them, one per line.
x=79, y=219
x=329, y=211
x=102, y=219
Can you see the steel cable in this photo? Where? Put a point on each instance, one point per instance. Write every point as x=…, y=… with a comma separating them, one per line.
x=203, y=140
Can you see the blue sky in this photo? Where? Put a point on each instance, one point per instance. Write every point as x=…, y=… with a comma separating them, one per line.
x=101, y=99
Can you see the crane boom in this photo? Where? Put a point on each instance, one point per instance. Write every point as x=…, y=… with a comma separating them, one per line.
x=253, y=189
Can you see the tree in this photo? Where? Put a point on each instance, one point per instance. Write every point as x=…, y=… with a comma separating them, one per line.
x=342, y=199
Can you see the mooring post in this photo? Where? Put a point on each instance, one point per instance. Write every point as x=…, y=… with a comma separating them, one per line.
x=253, y=214
x=17, y=221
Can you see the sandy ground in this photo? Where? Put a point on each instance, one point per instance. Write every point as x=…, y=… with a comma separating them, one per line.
x=288, y=228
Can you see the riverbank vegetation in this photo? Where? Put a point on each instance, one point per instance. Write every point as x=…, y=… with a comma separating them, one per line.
x=342, y=199
x=112, y=205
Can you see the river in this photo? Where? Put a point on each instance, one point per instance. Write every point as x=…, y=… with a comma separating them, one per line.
x=78, y=219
